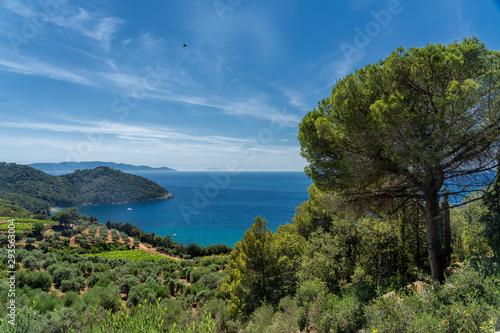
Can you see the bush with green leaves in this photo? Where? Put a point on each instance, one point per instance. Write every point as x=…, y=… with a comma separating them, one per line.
x=194, y=289
x=468, y=302
x=63, y=271
x=153, y=279
x=127, y=282
x=196, y=274
x=213, y=280
x=140, y=294
x=70, y=298
x=107, y=297
x=73, y=284
x=101, y=279
x=35, y=280
x=31, y=263
x=47, y=302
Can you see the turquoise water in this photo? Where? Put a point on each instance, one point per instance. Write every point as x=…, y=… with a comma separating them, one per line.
x=212, y=207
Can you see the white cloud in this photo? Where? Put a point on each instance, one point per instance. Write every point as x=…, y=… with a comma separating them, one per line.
x=93, y=25
x=96, y=26
x=259, y=107
x=125, y=131
x=89, y=140
x=31, y=66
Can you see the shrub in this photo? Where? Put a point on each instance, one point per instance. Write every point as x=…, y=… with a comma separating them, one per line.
x=212, y=280
x=194, y=289
x=337, y=314
x=153, y=279
x=35, y=280
x=73, y=284
x=31, y=263
x=194, y=250
x=127, y=282
x=196, y=274
x=140, y=294
x=101, y=279
x=107, y=297
x=47, y=302
x=260, y=320
x=70, y=298
x=63, y=271
x=30, y=240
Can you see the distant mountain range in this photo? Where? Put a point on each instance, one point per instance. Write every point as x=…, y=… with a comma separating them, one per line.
x=69, y=167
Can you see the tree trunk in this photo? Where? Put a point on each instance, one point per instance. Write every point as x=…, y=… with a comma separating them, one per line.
x=433, y=241
x=416, y=224
x=447, y=231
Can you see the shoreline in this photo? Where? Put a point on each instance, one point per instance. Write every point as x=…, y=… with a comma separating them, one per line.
x=116, y=203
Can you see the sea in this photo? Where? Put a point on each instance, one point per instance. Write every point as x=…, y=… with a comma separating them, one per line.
x=212, y=207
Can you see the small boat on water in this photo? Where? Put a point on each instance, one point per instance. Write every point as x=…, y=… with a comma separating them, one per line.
x=129, y=208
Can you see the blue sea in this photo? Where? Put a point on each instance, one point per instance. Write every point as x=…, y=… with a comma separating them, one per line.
x=212, y=207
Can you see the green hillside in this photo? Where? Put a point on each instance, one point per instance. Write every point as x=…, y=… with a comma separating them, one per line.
x=32, y=189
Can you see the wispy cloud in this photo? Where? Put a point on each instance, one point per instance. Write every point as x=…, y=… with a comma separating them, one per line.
x=142, y=139
x=259, y=107
x=125, y=131
x=31, y=66
x=93, y=25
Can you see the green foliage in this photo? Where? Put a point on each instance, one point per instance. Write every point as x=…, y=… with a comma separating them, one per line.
x=330, y=257
x=150, y=318
x=39, y=228
x=19, y=226
x=127, y=282
x=107, y=297
x=67, y=216
x=133, y=255
x=140, y=294
x=467, y=302
x=403, y=128
x=194, y=250
x=288, y=247
x=469, y=229
x=8, y=208
x=32, y=189
x=73, y=284
x=35, y=280
x=251, y=270
x=63, y=271
x=491, y=219
x=31, y=262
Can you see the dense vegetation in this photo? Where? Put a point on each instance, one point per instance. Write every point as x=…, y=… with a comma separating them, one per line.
x=23, y=186
x=354, y=258
x=403, y=130
x=326, y=271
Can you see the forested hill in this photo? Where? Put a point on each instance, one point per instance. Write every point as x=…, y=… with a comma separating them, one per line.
x=68, y=167
x=31, y=188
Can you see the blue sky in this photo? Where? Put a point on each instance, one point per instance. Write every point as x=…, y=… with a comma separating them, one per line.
x=111, y=80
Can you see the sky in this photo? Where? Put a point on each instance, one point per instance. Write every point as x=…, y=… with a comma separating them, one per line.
x=112, y=80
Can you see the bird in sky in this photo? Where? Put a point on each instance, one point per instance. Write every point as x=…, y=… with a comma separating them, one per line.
x=184, y=45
